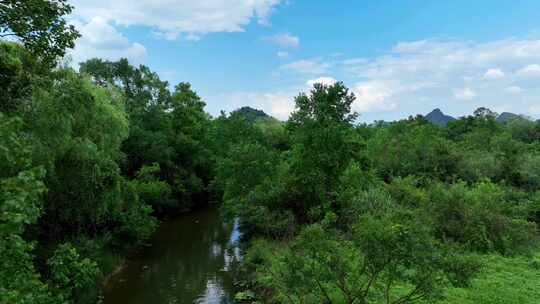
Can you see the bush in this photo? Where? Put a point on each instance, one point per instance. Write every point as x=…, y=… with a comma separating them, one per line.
x=135, y=223
x=72, y=277
x=389, y=258
x=479, y=218
x=407, y=193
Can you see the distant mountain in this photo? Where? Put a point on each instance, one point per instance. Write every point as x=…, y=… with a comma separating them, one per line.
x=439, y=118
x=507, y=116
x=253, y=115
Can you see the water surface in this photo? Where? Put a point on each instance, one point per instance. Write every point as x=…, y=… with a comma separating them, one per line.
x=188, y=261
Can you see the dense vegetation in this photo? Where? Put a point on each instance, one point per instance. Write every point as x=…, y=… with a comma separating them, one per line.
x=389, y=212
x=89, y=160
x=334, y=211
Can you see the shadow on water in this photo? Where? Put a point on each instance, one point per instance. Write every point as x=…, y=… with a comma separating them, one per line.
x=188, y=262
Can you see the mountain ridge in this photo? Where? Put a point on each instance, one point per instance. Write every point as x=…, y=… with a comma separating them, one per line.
x=438, y=117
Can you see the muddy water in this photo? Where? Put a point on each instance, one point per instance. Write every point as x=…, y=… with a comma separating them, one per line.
x=188, y=261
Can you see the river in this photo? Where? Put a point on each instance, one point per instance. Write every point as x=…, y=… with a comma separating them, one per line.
x=188, y=261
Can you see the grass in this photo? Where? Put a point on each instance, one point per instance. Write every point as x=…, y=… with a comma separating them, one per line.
x=503, y=280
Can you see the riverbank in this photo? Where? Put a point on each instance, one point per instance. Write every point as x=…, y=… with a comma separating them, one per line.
x=501, y=279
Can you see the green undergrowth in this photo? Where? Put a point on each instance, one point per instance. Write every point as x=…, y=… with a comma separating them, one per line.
x=505, y=280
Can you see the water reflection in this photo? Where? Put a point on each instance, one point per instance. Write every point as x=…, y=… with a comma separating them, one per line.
x=188, y=262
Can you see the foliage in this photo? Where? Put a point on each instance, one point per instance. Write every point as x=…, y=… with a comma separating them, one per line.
x=333, y=211
x=72, y=276
x=39, y=25
x=134, y=221
x=252, y=115
x=167, y=128
x=18, y=69
x=323, y=145
x=60, y=179
x=321, y=266
x=412, y=147
x=21, y=188
x=383, y=213
x=77, y=133
x=479, y=218
x=149, y=188
x=508, y=280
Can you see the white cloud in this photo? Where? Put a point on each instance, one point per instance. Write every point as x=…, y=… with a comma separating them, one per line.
x=514, y=90
x=535, y=109
x=324, y=80
x=532, y=70
x=278, y=104
x=465, y=94
x=494, y=74
x=372, y=96
x=282, y=54
x=169, y=36
x=307, y=66
x=416, y=77
x=172, y=18
x=100, y=39
x=284, y=40
x=421, y=75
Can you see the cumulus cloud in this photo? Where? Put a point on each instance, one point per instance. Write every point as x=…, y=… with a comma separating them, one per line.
x=324, y=80
x=307, y=66
x=493, y=74
x=465, y=94
x=372, y=96
x=278, y=104
x=172, y=18
x=99, y=22
x=535, y=109
x=100, y=39
x=169, y=36
x=514, y=90
x=415, y=77
x=532, y=70
x=284, y=40
x=282, y=54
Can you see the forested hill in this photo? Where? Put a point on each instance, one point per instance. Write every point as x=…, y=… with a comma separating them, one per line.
x=439, y=118
x=507, y=117
x=253, y=115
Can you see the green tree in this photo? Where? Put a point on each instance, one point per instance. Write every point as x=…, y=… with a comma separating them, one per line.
x=390, y=259
x=18, y=71
x=77, y=130
x=40, y=25
x=412, y=147
x=168, y=128
x=21, y=189
x=479, y=218
x=324, y=143
x=72, y=277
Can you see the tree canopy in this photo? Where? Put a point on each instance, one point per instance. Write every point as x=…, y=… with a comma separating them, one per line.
x=40, y=25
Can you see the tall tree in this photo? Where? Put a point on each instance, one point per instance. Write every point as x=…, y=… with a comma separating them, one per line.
x=323, y=145
x=39, y=25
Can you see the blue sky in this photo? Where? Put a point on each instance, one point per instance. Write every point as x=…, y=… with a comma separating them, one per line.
x=399, y=57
